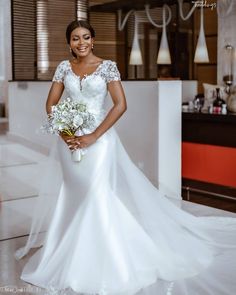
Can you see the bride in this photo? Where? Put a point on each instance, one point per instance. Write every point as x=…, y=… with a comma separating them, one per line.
x=100, y=225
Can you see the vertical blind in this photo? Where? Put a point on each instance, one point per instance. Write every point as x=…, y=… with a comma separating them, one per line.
x=105, y=45
x=53, y=16
x=24, y=39
x=38, y=36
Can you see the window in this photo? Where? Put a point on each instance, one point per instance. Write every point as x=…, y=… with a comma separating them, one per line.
x=38, y=36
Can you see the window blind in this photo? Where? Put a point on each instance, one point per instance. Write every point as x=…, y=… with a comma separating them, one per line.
x=24, y=39
x=38, y=35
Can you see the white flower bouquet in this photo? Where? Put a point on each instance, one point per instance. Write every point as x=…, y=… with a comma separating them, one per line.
x=69, y=117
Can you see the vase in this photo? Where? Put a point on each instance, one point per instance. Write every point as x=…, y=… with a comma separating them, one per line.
x=231, y=101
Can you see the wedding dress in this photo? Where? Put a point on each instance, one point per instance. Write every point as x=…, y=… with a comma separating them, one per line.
x=105, y=229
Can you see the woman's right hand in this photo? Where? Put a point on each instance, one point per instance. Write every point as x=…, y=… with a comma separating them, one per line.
x=69, y=140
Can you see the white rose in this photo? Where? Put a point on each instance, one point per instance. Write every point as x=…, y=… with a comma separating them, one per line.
x=60, y=127
x=78, y=121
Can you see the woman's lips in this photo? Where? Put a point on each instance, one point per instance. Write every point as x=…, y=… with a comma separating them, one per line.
x=82, y=49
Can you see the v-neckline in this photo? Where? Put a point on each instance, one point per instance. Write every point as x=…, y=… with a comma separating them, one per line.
x=85, y=75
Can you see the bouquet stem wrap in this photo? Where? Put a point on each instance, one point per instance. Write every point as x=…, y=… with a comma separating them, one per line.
x=76, y=155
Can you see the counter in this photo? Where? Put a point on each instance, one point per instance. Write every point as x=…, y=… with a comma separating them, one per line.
x=213, y=129
x=209, y=151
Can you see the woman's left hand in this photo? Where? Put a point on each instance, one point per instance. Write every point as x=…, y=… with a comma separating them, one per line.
x=84, y=140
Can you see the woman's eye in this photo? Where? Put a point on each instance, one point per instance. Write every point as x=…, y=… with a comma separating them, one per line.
x=75, y=39
x=87, y=37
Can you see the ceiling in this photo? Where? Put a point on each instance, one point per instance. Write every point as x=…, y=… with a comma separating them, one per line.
x=127, y=5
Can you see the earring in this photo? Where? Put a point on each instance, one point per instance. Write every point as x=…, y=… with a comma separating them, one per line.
x=92, y=45
x=70, y=50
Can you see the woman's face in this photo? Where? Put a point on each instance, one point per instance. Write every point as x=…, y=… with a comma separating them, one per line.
x=81, y=41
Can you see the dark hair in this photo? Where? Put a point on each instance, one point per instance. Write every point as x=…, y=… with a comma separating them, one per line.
x=78, y=24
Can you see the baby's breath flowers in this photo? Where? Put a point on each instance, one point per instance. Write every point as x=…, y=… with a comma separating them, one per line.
x=68, y=117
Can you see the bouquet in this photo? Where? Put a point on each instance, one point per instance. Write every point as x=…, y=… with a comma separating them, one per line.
x=69, y=117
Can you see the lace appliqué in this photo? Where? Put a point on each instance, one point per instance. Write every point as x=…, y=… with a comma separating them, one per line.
x=60, y=72
x=111, y=72
x=108, y=71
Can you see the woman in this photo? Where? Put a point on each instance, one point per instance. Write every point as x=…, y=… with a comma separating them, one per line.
x=105, y=229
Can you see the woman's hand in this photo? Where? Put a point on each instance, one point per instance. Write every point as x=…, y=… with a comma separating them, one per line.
x=84, y=140
x=69, y=140
x=75, y=142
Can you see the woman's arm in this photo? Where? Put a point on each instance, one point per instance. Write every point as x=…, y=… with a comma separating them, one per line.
x=119, y=107
x=118, y=97
x=54, y=95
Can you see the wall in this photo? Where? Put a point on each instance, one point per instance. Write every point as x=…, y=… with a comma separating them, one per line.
x=5, y=48
x=189, y=90
x=27, y=112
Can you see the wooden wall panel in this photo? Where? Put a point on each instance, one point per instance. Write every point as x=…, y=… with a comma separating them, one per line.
x=206, y=72
x=212, y=48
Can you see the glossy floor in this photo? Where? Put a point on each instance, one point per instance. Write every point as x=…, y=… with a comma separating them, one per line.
x=19, y=183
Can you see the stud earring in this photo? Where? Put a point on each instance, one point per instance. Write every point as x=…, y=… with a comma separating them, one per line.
x=92, y=45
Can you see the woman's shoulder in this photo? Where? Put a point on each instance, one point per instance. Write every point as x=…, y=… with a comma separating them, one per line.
x=109, y=64
x=110, y=70
x=63, y=63
x=109, y=61
x=61, y=70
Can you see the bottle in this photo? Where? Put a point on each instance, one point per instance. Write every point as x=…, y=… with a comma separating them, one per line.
x=224, y=109
x=218, y=102
x=210, y=109
x=190, y=106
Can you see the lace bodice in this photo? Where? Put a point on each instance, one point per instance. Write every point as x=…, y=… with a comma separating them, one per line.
x=92, y=88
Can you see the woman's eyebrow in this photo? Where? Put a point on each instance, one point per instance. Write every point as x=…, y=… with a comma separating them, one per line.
x=86, y=34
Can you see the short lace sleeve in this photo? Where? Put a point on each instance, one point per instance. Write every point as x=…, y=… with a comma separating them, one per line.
x=112, y=73
x=60, y=72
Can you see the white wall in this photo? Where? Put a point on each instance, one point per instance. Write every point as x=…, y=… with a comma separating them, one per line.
x=150, y=129
x=27, y=112
x=5, y=48
x=189, y=90
x=169, y=136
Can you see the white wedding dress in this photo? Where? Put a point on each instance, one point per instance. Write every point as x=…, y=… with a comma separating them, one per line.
x=105, y=229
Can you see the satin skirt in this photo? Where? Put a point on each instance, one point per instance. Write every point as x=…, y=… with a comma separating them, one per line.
x=110, y=231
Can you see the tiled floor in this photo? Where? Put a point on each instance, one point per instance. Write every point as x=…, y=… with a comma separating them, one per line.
x=18, y=191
